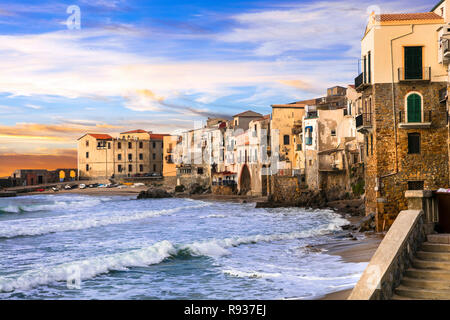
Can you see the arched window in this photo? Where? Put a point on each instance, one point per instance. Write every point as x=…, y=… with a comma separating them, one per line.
x=414, y=108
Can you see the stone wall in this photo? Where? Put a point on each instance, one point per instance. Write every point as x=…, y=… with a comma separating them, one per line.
x=430, y=166
x=223, y=190
x=392, y=258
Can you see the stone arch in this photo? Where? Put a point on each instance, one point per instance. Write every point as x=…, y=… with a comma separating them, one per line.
x=245, y=181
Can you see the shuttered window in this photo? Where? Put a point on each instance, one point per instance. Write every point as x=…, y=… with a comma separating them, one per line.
x=413, y=63
x=413, y=143
x=414, y=108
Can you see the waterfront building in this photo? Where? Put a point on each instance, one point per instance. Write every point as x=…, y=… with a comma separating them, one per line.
x=133, y=153
x=402, y=118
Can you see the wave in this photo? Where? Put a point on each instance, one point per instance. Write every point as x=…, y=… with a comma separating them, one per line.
x=251, y=274
x=213, y=216
x=154, y=254
x=35, y=227
x=85, y=203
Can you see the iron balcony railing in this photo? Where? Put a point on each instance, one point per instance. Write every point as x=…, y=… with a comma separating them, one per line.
x=361, y=81
x=363, y=120
x=411, y=74
x=427, y=116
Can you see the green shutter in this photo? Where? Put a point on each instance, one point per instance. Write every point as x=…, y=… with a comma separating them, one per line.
x=414, y=108
x=413, y=63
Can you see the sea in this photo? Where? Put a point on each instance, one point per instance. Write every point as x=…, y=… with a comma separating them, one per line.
x=72, y=246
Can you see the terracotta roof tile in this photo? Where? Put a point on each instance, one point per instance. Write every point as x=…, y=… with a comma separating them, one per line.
x=100, y=136
x=408, y=16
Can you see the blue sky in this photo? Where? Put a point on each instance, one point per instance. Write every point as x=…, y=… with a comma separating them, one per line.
x=162, y=65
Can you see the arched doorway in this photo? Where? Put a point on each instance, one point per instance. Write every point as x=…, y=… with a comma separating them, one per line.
x=245, y=184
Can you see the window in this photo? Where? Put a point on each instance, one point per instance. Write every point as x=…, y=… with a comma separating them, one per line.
x=130, y=145
x=130, y=168
x=154, y=167
x=130, y=156
x=119, y=145
x=87, y=143
x=141, y=168
x=87, y=167
x=367, y=145
x=199, y=170
x=413, y=63
x=154, y=156
x=414, y=108
x=415, y=185
x=413, y=143
x=369, y=72
x=154, y=145
x=119, y=168
x=308, y=135
x=235, y=123
x=141, y=144
x=371, y=144
x=87, y=155
x=119, y=156
x=286, y=139
x=141, y=156
x=109, y=145
x=333, y=133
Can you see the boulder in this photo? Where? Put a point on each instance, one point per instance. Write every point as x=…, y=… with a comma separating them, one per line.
x=154, y=194
x=367, y=223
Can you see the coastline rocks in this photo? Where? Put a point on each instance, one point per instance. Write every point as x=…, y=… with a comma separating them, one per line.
x=196, y=188
x=154, y=194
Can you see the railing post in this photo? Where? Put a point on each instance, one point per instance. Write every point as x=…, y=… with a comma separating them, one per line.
x=423, y=200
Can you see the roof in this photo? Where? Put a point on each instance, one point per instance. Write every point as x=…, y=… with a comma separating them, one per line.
x=408, y=16
x=290, y=105
x=98, y=136
x=135, y=131
x=156, y=136
x=352, y=86
x=248, y=113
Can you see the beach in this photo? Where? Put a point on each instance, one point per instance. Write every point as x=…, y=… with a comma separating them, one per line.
x=349, y=251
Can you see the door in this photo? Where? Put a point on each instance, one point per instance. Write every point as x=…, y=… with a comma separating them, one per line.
x=413, y=63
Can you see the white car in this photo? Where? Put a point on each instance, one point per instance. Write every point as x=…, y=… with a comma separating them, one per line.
x=82, y=186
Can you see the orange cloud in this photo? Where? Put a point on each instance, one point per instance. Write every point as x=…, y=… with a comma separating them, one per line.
x=11, y=162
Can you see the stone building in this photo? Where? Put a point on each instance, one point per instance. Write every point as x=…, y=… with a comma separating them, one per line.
x=134, y=153
x=403, y=122
x=169, y=166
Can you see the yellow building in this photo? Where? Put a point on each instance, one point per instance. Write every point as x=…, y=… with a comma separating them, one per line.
x=134, y=153
x=286, y=123
x=169, y=165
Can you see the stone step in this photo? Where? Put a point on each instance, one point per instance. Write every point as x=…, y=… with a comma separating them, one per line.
x=397, y=297
x=435, y=247
x=427, y=294
x=439, y=238
x=429, y=264
x=426, y=284
x=434, y=256
x=428, y=274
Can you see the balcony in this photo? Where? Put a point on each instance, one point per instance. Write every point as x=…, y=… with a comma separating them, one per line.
x=312, y=115
x=405, y=75
x=445, y=51
x=443, y=95
x=361, y=82
x=169, y=150
x=364, y=122
x=425, y=123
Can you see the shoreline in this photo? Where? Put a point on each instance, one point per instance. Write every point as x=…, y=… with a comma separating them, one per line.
x=350, y=250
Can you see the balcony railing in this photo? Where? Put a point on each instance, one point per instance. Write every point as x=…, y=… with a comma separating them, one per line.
x=361, y=81
x=363, y=121
x=423, y=74
x=312, y=115
x=424, y=123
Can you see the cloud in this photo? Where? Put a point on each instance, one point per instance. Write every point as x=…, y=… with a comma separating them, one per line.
x=64, y=159
x=33, y=106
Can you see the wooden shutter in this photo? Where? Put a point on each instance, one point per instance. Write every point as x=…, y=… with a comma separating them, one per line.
x=413, y=63
x=414, y=108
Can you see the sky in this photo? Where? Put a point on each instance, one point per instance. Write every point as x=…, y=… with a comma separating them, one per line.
x=163, y=66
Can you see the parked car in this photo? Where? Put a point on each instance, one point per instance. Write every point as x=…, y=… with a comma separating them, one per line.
x=82, y=186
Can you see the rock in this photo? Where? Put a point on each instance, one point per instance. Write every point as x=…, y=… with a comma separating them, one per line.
x=154, y=194
x=367, y=223
x=196, y=188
